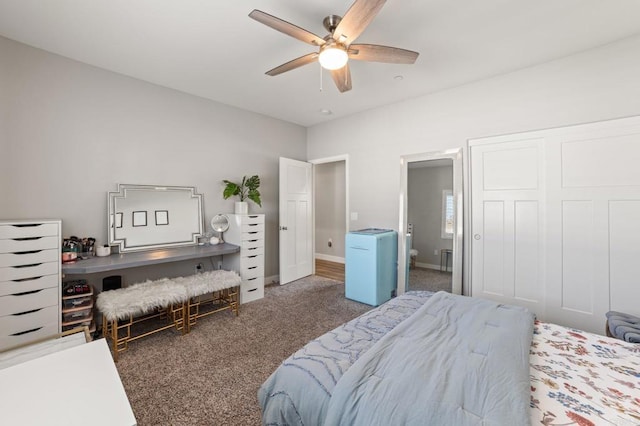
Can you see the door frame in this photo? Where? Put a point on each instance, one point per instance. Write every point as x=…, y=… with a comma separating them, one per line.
x=324, y=160
x=456, y=264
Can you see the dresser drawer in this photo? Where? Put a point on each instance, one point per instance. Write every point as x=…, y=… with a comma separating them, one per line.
x=19, y=272
x=28, y=244
x=252, y=289
x=28, y=301
x=28, y=284
x=251, y=219
x=252, y=260
x=252, y=271
x=252, y=227
x=251, y=244
x=252, y=236
x=29, y=257
x=28, y=230
x=18, y=329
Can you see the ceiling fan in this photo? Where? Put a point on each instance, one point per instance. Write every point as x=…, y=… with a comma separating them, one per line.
x=336, y=48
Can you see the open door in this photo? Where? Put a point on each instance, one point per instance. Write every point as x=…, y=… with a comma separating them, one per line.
x=296, y=220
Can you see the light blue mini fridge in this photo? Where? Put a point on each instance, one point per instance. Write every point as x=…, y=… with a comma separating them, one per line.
x=371, y=257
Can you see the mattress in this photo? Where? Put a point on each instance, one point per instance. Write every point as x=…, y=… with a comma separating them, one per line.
x=576, y=377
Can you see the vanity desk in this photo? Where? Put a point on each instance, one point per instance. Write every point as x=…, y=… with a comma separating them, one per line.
x=118, y=261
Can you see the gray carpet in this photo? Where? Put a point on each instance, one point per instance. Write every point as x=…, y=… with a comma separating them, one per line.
x=211, y=376
x=429, y=279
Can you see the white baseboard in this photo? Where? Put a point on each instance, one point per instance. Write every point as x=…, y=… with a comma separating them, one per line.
x=329, y=258
x=431, y=266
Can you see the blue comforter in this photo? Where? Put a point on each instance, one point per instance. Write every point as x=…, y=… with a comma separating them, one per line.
x=381, y=369
x=457, y=361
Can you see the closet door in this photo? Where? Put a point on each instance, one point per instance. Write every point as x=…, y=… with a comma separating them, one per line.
x=593, y=233
x=556, y=221
x=507, y=199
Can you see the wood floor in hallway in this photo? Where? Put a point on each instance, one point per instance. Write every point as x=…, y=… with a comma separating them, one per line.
x=327, y=269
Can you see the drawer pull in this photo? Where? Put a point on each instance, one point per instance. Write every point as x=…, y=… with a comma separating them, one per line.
x=27, y=292
x=26, y=239
x=255, y=255
x=252, y=248
x=21, y=280
x=253, y=216
x=27, y=266
x=252, y=232
x=252, y=241
x=253, y=289
x=27, y=252
x=25, y=332
x=27, y=225
x=26, y=312
x=251, y=279
x=252, y=267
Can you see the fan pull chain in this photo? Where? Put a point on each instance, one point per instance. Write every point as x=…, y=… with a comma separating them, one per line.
x=320, y=77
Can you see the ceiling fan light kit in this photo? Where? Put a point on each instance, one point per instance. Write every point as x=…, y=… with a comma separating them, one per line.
x=336, y=48
x=333, y=56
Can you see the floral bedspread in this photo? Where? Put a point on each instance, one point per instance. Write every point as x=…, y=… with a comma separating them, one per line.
x=582, y=378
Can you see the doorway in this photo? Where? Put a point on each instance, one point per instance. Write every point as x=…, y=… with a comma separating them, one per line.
x=330, y=176
x=430, y=229
x=430, y=224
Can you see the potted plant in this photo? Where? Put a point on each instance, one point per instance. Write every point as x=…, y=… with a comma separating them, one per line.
x=247, y=189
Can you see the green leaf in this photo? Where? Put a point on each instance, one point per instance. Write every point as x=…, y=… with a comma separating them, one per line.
x=253, y=182
x=230, y=190
x=254, y=195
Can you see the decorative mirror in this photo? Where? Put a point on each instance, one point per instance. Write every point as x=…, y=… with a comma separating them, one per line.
x=220, y=223
x=144, y=217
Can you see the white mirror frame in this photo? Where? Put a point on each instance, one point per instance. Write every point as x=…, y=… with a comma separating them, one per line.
x=112, y=217
x=456, y=156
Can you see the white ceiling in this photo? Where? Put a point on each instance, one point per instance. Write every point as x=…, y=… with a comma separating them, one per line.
x=212, y=49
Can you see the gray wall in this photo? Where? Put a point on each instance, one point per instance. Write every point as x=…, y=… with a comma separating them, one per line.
x=330, y=208
x=424, y=192
x=73, y=132
x=595, y=85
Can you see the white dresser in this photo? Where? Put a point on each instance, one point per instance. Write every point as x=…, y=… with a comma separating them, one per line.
x=29, y=281
x=247, y=231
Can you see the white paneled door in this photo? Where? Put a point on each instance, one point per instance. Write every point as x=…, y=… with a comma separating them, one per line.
x=506, y=251
x=296, y=220
x=556, y=221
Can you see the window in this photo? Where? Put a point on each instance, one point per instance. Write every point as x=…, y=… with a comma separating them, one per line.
x=447, y=214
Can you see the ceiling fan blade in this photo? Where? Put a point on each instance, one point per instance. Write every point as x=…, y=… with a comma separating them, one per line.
x=296, y=63
x=354, y=22
x=342, y=78
x=377, y=53
x=286, y=28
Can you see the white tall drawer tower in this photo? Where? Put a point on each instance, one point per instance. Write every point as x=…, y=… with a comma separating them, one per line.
x=30, y=284
x=247, y=231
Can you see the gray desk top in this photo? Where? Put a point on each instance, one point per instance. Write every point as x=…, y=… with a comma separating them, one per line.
x=142, y=258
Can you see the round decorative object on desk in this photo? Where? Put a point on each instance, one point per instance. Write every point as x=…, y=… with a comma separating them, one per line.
x=214, y=240
x=102, y=251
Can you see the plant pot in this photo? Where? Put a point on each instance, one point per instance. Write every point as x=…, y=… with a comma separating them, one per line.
x=242, y=207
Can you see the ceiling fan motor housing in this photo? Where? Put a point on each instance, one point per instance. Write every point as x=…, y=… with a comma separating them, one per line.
x=331, y=22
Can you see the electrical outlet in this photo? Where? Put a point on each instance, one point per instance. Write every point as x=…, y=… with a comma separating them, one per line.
x=219, y=264
x=435, y=252
x=199, y=268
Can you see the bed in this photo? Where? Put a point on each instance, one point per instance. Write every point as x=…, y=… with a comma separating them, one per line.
x=425, y=358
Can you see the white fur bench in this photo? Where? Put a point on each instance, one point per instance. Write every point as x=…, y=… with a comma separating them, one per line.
x=219, y=288
x=175, y=299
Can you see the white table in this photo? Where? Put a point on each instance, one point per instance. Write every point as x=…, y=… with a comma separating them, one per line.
x=75, y=386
